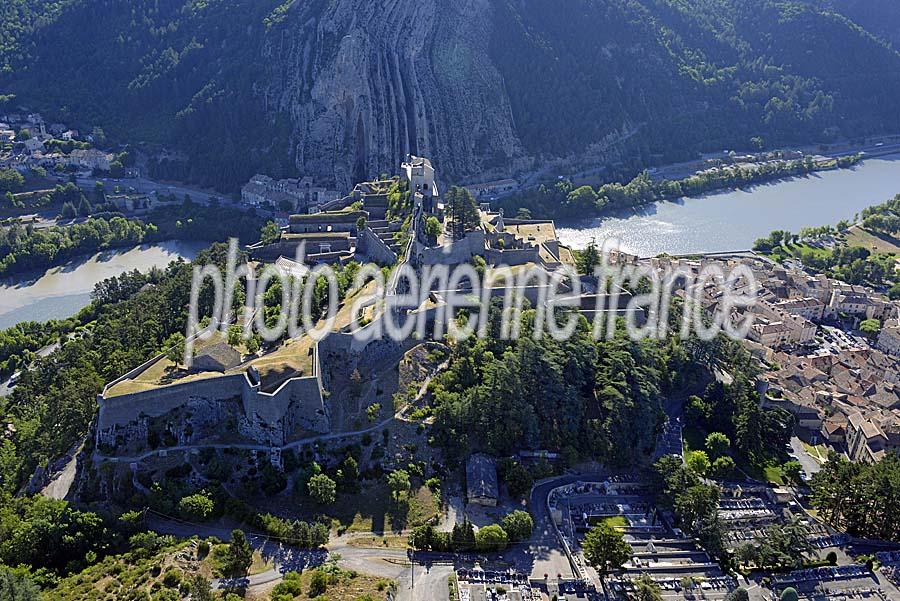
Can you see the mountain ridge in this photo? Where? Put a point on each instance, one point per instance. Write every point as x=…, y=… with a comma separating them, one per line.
x=341, y=89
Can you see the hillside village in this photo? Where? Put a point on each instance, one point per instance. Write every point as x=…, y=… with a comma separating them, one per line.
x=28, y=143
x=840, y=385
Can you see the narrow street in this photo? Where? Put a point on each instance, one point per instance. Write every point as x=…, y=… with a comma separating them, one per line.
x=810, y=465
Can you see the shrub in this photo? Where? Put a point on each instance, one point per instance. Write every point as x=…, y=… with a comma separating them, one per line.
x=172, y=578
x=491, y=538
x=318, y=583
x=789, y=594
x=518, y=525
x=723, y=467
x=717, y=445
x=518, y=479
x=738, y=594
x=793, y=470
x=698, y=461
x=289, y=588
x=196, y=507
x=146, y=544
x=322, y=489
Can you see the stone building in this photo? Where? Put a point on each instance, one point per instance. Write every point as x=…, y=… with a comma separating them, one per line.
x=218, y=357
x=216, y=401
x=889, y=338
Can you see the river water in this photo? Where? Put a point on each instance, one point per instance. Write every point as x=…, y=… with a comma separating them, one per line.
x=61, y=292
x=733, y=220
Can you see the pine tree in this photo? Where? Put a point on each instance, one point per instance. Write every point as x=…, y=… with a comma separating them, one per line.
x=588, y=259
x=240, y=553
x=462, y=210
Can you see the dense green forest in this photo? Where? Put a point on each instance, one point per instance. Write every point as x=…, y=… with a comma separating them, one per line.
x=879, y=17
x=585, y=398
x=172, y=72
x=692, y=74
x=651, y=80
x=26, y=248
x=863, y=498
x=55, y=399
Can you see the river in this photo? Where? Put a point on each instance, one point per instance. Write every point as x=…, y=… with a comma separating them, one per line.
x=61, y=292
x=735, y=219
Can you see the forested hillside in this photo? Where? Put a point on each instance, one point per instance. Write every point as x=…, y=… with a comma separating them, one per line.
x=173, y=72
x=879, y=17
x=691, y=73
x=341, y=89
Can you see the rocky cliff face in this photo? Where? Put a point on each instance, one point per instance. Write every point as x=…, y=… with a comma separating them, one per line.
x=367, y=82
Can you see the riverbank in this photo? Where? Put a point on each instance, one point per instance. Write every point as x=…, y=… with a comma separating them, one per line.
x=564, y=200
x=735, y=219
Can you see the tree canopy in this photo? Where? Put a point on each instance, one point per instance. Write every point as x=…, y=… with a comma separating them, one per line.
x=863, y=498
x=605, y=549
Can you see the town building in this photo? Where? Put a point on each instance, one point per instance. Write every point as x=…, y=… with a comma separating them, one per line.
x=866, y=441
x=91, y=159
x=133, y=203
x=33, y=145
x=493, y=189
x=776, y=326
x=889, y=338
x=293, y=195
x=808, y=308
x=860, y=302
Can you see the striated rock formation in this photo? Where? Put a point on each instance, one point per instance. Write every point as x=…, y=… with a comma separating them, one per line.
x=368, y=82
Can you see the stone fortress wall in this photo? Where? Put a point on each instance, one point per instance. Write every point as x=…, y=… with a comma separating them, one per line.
x=267, y=418
x=371, y=246
x=295, y=409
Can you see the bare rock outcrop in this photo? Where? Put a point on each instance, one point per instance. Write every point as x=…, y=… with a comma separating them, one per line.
x=367, y=82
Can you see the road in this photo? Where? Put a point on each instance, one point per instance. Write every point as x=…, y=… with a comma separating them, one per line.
x=58, y=488
x=422, y=577
x=430, y=577
x=877, y=146
x=6, y=387
x=141, y=185
x=810, y=465
x=545, y=551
